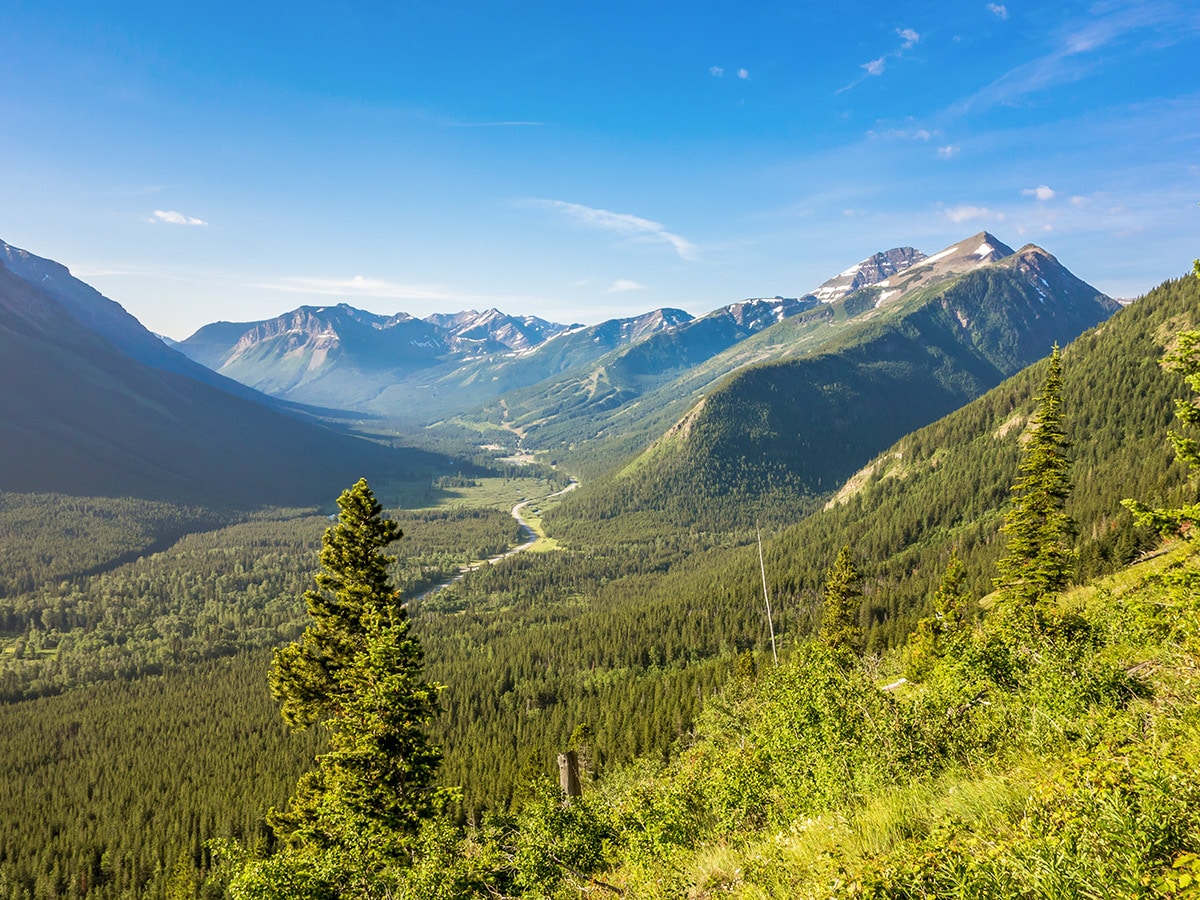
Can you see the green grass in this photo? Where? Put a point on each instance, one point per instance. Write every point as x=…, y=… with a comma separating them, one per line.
x=493, y=493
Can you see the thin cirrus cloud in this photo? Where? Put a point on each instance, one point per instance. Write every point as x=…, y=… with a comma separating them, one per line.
x=1074, y=55
x=624, y=284
x=999, y=10
x=620, y=223
x=358, y=286
x=909, y=38
x=174, y=217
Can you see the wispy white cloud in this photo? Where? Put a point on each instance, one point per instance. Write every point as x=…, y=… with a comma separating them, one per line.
x=624, y=284
x=948, y=152
x=356, y=286
x=908, y=39
x=998, y=9
x=173, y=217
x=716, y=71
x=743, y=74
x=1042, y=192
x=960, y=214
x=620, y=223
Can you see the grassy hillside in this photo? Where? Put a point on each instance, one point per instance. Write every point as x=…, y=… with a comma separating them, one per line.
x=1057, y=759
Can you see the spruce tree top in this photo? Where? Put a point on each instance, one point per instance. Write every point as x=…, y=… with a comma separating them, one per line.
x=839, y=621
x=353, y=595
x=354, y=569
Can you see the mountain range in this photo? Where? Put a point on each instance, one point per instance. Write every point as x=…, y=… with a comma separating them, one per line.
x=838, y=384
x=597, y=396
x=758, y=396
x=421, y=369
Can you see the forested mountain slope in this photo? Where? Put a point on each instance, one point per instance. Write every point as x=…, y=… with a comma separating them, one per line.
x=772, y=439
x=945, y=486
x=597, y=419
x=83, y=416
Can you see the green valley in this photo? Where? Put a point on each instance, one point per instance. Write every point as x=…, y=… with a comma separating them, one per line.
x=638, y=638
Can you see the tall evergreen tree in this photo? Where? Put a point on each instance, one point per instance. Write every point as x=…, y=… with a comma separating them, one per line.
x=357, y=669
x=1040, y=553
x=839, y=622
x=1184, y=359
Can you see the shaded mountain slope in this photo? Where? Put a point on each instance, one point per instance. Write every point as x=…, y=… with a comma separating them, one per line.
x=83, y=417
x=106, y=318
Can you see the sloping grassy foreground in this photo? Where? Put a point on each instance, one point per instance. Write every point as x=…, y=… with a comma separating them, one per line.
x=1054, y=754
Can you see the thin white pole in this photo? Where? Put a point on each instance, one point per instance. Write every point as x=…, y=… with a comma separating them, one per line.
x=767, y=597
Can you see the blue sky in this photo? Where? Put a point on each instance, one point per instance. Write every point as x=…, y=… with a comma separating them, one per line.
x=199, y=162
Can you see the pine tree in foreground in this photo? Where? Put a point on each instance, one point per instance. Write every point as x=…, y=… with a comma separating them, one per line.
x=1040, y=555
x=357, y=670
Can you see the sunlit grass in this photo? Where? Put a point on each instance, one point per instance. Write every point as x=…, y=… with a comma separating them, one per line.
x=494, y=493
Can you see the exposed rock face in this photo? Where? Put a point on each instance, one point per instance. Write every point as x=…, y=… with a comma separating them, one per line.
x=871, y=270
x=493, y=330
